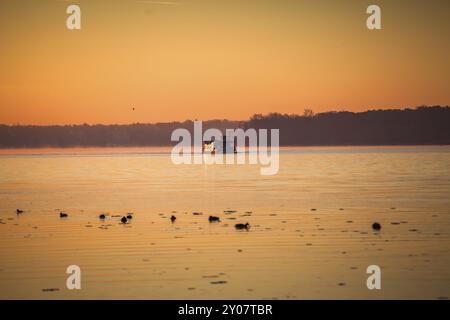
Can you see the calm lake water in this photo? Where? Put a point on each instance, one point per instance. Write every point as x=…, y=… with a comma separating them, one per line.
x=290, y=251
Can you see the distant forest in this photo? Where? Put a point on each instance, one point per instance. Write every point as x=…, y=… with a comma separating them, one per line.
x=421, y=126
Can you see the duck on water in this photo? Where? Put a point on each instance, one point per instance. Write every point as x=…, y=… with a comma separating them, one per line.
x=213, y=219
x=242, y=226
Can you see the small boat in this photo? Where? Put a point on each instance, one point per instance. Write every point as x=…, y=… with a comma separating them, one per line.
x=226, y=144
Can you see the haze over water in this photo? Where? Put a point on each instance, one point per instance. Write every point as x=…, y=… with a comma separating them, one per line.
x=290, y=251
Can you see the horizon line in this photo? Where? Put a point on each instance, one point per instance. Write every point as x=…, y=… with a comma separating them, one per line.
x=225, y=119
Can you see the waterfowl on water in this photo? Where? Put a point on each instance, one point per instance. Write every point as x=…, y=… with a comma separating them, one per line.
x=63, y=215
x=124, y=220
x=129, y=216
x=376, y=226
x=241, y=226
x=102, y=216
x=173, y=218
x=213, y=219
x=18, y=211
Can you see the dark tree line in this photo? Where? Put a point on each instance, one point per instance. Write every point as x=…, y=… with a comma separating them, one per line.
x=158, y=134
x=422, y=125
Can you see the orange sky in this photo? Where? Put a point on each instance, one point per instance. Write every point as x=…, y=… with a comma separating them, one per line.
x=180, y=60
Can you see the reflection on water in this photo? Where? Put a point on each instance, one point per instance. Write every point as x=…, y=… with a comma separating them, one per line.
x=291, y=250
